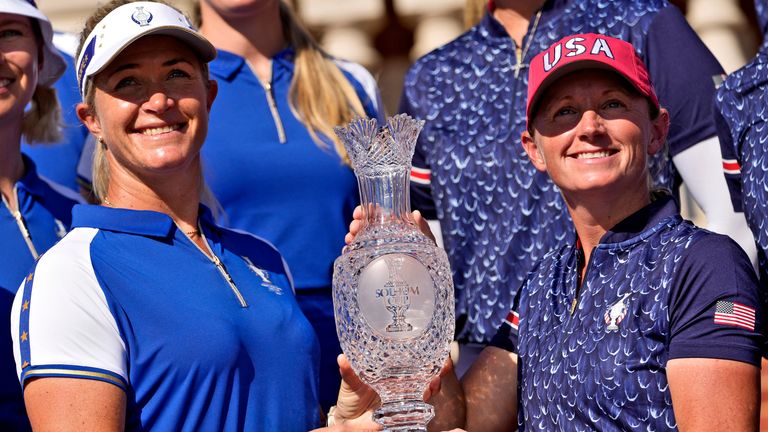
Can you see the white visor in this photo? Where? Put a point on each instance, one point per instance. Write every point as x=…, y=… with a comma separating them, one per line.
x=128, y=23
x=53, y=64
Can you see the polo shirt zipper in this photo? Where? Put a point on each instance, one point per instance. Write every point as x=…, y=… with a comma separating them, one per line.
x=579, y=281
x=220, y=267
x=272, y=106
x=21, y=223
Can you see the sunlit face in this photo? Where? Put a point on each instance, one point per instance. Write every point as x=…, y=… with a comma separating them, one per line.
x=19, y=66
x=594, y=133
x=238, y=8
x=151, y=107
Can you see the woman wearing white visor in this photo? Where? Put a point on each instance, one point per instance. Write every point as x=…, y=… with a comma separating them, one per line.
x=149, y=316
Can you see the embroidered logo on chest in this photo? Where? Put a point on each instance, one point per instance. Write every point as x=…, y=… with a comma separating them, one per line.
x=263, y=275
x=616, y=314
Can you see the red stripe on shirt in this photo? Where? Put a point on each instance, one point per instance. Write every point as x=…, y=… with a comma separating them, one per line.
x=513, y=319
x=731, y=166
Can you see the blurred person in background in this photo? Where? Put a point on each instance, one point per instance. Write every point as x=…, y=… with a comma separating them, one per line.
x=58, y=160
x=742, y=120
x=498, y=214
x=36, y=212
x=272, y=158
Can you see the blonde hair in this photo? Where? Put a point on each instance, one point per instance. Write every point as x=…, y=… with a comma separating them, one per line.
x=473, y=12
x=319, y=95
x=100, y=171
x=42, y=122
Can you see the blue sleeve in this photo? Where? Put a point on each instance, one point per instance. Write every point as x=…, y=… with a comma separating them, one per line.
x=421, y=173
x=714, y=307
x=682, y=70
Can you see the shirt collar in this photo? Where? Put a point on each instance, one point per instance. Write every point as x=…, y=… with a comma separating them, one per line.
x=645, y=219
x=493, y=27
x=141, y=222
x=227, y=64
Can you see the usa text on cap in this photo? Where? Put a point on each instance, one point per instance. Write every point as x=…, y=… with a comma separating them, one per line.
x=587, y=51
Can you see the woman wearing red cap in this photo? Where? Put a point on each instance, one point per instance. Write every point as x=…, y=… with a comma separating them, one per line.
x=645, y=321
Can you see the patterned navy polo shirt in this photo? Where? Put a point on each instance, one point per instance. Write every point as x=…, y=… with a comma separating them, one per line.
x=656, y=288
x=742, y=124
x=499, y=215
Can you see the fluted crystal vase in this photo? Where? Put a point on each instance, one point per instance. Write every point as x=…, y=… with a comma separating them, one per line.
x=392, y=287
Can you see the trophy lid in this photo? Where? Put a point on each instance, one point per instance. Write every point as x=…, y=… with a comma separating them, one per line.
x=375, y=150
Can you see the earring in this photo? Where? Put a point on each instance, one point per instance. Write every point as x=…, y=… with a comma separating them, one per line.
x=101, y=142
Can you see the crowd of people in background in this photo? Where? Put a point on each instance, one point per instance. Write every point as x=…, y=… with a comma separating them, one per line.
x=193, y=290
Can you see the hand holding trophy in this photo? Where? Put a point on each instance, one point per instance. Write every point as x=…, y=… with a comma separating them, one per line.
x=392, y=286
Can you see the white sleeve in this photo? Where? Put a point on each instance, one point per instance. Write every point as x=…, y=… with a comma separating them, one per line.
x=700, y=166
x=62, y=325
x=368, y=83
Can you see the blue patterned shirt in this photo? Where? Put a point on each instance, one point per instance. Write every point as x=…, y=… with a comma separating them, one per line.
x=499, y=215
x=742, y=124
x=656, y=288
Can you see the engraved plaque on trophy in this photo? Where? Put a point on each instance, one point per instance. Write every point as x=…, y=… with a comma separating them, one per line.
x=392, y=287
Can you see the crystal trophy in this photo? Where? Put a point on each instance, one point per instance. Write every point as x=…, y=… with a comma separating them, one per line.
x=392, y=287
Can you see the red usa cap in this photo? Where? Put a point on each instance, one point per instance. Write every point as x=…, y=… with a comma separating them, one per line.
x=587, y=51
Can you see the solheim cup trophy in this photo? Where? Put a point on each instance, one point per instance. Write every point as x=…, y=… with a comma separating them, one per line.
x=392, y=287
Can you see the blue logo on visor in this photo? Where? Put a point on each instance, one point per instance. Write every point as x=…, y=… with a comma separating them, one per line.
x=141, y=17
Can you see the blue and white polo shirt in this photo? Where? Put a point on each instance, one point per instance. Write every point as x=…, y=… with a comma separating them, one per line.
x=126, y=298
x=656, y=288
x=45, y=214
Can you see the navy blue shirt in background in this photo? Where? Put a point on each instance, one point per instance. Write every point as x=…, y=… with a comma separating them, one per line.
x=741, y=111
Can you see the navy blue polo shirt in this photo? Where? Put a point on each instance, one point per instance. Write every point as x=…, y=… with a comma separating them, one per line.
x=45, y=214
x=498, y=214
x=126, y=298
x=742, y=124
x=656, y=288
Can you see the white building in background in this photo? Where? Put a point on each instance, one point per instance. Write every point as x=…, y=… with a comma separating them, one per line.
x=349, y=29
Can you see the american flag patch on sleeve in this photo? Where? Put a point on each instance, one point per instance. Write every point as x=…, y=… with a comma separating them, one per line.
x=513, y=319
x=734, y=314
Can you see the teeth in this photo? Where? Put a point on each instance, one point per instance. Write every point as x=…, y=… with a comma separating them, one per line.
x=158, y=131
x=4, y=82
x=593, y=155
